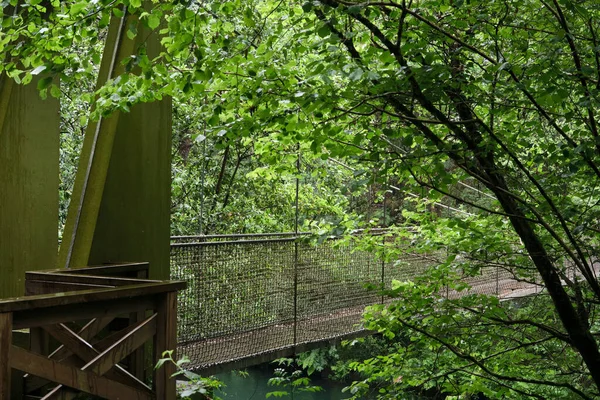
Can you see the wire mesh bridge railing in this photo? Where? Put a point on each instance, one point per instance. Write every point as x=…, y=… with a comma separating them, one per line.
x=253, y=298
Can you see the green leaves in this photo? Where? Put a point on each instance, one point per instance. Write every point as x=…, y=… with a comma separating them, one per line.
x=434, y=103
x=153, y=21
x=195, y=384
x=38, y=70
x=292, y=381
x=44, y=83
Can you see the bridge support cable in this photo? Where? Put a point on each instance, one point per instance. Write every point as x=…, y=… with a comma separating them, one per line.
x=383, y=249
x=296, y=250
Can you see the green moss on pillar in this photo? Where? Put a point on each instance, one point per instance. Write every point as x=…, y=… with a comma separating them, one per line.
x=29, y=154
x=125, y=210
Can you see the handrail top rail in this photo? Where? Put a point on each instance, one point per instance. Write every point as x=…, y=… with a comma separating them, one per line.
x=174, y=239
x=100, y=269
x=234, y=242
x=24, y=303
x=237, y=235
x=52, y=275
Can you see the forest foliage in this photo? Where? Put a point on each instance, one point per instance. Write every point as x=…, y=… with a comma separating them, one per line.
x=488, y=106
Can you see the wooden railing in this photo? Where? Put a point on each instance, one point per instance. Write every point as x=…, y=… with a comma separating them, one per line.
x=87, y=329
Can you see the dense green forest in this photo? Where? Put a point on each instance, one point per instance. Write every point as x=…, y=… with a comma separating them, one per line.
x=487, y=107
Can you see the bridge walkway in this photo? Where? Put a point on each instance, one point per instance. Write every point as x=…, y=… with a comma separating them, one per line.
x=254, y=298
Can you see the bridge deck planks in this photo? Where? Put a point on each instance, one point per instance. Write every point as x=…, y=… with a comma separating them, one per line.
x=241, y=350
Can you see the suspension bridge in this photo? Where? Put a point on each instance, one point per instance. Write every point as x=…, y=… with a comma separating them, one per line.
x=254, y=298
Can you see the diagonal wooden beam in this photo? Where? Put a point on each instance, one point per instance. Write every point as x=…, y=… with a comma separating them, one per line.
x=87, y=332
x=62, y=394
x=104, y=343
x=71, y=341
x=102, y=363
x=84, y=381
x=95, y=156
x=124, y=346
x=87, y=352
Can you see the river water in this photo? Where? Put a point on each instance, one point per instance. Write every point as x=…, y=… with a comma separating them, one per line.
x=254, y=386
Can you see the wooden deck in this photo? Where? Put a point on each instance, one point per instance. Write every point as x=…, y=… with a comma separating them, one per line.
x=75, y=342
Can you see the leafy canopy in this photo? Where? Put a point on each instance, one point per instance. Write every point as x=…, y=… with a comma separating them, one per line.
x=490, y=106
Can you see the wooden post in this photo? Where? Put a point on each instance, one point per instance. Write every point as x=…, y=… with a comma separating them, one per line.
x=136, y=360
x=166, y=339
x=5, y=344
x=39, y=342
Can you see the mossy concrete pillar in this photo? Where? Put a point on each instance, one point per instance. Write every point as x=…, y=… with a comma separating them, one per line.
x=29, y=157
x=133, y=220
x=120, y=208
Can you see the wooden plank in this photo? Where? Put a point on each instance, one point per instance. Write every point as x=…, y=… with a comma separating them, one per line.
x=96, y=295
x=5, y=345
x=123, y=270
x=124, y=376
x=136, y=359
x=87, y=332
x=118, y=374
x=36, y=287
x=85, y=381
x=38, y=341
x=107, y=341
x=137, y=192
x=166, y=339
x=72, y=342
x=82, y=279
x=63, y=355
x=95, y=155
x=124, y=346
x=61, y=393
x=129, y=269
x=73, y=312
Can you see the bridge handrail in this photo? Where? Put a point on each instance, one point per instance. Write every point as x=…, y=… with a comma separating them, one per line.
x=99, y=300
x=42, y=301
x=250, y=237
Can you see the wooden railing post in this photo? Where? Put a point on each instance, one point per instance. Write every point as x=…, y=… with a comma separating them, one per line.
x=137, y=365
x=5, y=344
x=165, y=339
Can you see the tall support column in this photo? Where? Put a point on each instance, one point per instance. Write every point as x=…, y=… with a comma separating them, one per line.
x=134, y=216
x=120, y=208
x=29, y=157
